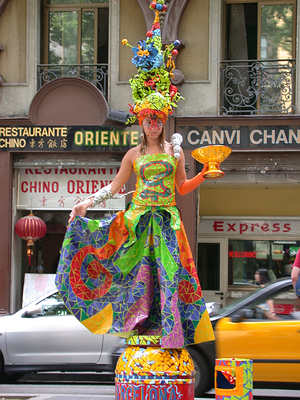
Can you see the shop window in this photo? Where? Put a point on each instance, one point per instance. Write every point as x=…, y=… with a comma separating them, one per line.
x=245, y=257
x=258, y=76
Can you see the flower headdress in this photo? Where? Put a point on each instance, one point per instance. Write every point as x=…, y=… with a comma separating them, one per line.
x=153, y=93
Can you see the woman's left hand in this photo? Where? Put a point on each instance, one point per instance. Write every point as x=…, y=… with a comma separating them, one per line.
x=204, y=169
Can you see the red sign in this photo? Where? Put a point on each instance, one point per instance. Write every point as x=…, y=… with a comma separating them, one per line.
x=231, y=226
x=250, y=227
x=242, y=254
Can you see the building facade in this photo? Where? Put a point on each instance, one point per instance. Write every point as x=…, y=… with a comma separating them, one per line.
x=63, y=103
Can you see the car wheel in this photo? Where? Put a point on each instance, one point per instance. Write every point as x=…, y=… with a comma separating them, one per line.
x=202, y=373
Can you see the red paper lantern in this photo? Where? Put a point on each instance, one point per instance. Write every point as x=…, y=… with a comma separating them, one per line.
x=30, y=228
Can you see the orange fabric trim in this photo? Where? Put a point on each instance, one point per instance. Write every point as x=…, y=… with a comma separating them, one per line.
x=117, y=236
x=185, y=253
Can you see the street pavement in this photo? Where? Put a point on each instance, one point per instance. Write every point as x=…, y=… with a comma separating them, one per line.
x=106, y=392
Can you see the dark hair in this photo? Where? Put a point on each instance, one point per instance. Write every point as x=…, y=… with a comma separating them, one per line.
x=263, y=275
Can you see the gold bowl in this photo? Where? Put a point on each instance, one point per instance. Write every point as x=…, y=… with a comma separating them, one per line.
x=212, y=155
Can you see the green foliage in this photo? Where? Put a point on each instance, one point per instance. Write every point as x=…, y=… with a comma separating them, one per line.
x=277, y=28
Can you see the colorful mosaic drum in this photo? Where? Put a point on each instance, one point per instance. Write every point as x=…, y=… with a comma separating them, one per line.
x=146, y=371
x=233, y=379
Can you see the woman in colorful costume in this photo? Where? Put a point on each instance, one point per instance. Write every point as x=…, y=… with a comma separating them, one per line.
x=133, y=273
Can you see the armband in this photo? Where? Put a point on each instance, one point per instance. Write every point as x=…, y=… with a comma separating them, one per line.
x=102, y=195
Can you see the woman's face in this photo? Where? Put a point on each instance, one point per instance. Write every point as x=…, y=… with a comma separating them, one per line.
x=152, y=127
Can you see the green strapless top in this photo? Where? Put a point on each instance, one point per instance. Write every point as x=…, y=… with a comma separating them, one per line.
x=155, y=185
x=155, y=189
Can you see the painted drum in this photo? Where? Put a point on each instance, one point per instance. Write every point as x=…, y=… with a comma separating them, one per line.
x=234, y=379
x=146, y=371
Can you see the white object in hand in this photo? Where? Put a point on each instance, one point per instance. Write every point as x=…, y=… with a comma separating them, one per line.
x=176, y=141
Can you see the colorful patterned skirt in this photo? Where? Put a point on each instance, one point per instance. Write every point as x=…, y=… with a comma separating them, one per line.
x=150, y=287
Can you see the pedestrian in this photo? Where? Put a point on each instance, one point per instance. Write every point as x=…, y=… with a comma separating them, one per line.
x=262, y=278
x=295, y=273
x=134, y=273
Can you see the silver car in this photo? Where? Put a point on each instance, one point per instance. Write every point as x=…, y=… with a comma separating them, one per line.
x=44, y=336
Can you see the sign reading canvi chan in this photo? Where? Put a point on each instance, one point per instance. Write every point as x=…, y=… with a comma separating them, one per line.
x=62, y=138
x=239, y=138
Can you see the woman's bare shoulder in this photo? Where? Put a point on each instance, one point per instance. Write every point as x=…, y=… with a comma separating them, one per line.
x=168, y=148
x=133, y=153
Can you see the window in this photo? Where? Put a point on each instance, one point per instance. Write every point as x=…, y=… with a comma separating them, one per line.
x=53, y=306
x=76, y=32
x=260, y=30
x=262, y=33
x=75, y=41
x=283, y=305
x=245, y=257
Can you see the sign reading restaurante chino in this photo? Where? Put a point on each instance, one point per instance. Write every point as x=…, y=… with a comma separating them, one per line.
x=62, y=138
x=94, y=138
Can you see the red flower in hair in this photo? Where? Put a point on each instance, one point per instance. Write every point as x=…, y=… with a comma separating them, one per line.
x=149, y=113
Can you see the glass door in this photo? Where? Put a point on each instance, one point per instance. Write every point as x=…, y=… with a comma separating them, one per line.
x=72, y=36
x=212, y=269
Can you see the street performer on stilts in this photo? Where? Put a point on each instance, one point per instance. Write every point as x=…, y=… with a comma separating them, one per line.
x=133, y=273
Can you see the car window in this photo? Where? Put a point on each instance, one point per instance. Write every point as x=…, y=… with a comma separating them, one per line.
x=283, y=305
x=53, y=305
x=230, y=307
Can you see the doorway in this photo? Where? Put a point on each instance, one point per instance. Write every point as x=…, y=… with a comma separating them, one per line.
x=212, y=269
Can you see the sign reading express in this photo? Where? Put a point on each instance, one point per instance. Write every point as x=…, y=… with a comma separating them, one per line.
x=61, y=138
x=61, y=188
x=243, y=227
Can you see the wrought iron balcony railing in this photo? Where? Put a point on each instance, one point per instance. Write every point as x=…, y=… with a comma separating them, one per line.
x=256, y=87
x=97, y=74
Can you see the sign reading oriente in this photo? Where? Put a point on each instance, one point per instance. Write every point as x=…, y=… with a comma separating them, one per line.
x=62, y=138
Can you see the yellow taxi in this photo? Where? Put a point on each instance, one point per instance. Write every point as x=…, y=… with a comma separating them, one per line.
x=264, y=327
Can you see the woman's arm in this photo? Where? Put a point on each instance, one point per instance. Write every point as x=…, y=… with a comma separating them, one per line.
x=120, y=179
x=184, y=185
x=295, y=273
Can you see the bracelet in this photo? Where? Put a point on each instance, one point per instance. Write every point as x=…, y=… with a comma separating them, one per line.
x=102, y=195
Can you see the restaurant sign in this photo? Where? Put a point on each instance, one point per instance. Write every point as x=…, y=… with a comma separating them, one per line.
x=275, y=138
x=61, y=188
x=63, y=138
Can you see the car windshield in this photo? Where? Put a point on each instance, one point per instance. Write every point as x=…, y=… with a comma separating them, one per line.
x=231, y=306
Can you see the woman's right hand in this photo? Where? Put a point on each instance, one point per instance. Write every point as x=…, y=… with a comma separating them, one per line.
x=80, y=209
